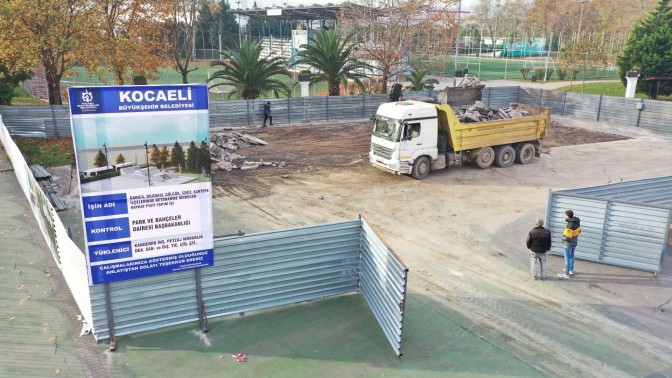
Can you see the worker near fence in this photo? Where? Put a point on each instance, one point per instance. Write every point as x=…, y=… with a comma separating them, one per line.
x=570, y=238
x=267, y=113
x=396, y=94
x=538, y=242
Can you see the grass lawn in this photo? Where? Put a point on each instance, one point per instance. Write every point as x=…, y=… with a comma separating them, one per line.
x=21, y=98
x=607, y=89
x=48, y=152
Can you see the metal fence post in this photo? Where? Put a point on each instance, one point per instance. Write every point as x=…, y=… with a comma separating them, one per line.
x=363, y=104
x=248, y=112
x=202, y=314
x=518, y=94
x=489, y=92
x=564, y=104
x=599, y=108
x=639, y=112
x=110, y=317
x=327, y=110
x=541, y=94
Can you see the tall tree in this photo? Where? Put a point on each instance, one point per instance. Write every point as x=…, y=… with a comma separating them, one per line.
x=180, y=25
x=216, y=23
x=163, y=155
x=177, y=155
x=154, y=155
x=192, y=156
x=333, y=56
x=57, y=33
x=15, y=61
x=130, y=39
x=204, y=157
x=392, y=33
x=649, y=48
x=119, y=159
x=99, y=159
x=248, y=74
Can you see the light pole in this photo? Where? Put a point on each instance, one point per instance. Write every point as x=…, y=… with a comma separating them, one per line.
x=580, y=18
x=107, y=164
x=240, y=39
x=149, y=178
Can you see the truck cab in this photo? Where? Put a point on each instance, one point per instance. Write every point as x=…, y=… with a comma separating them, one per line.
x=404, y=137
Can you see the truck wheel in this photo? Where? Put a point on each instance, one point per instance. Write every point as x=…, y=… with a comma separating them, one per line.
x=485, y=157
x=505, y=156
x=525, y=153
x=420, y=168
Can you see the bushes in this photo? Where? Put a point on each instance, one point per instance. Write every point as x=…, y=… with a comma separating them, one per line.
x=524, y=71
x=562, y=72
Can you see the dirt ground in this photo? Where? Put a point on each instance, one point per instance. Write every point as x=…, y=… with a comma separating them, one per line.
x=344, y=145
x=461, y=232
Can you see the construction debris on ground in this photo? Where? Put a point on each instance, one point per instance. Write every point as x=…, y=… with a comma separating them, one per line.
x=479, y=113
x=223, y=147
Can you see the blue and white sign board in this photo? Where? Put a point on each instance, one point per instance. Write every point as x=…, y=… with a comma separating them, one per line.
x=143, y=160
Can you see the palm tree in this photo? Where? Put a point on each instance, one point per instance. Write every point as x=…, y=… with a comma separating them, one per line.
x=333, y=56
x=249, y=75
x=418, y=82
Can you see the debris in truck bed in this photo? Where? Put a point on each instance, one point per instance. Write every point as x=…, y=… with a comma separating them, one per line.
x=479, y=113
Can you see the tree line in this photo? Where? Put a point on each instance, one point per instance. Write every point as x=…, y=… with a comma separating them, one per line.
x=193, y=159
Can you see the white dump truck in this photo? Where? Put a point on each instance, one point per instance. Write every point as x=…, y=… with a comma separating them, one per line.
x=415, y=137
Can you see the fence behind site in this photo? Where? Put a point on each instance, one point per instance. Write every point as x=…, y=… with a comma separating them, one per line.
x=49, y=121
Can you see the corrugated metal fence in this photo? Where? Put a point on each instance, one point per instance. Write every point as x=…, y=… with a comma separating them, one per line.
x=655, y=115
x=259, y=271
x=624, y=224
x=251, y=272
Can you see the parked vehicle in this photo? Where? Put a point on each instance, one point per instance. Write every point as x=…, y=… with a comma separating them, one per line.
x=413, y=137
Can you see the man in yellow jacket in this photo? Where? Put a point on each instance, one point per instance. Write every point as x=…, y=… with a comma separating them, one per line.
x=570, y=238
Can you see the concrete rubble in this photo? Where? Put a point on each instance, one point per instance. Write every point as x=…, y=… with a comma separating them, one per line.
x=223, y=155
x=479, y=113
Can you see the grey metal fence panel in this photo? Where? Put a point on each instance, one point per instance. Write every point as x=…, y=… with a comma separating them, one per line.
x=500, y=97
x=383, y=284
x=582, y=106
x=145, y=304
x=275, y=268
x=657, y=116
x=619, y=110
x=657, y=191
x=530, y=96
x=554, y=100
x=616, y=232
x=251, y=272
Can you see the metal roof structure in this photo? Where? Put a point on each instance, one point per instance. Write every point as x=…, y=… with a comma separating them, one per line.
x=293, y=13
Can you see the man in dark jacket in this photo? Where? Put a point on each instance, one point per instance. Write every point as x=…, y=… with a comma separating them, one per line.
x=267, y=113
x=570, y=238
x=538, y=242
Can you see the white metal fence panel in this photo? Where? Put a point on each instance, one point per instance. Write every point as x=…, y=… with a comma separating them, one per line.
x=68, y=257
x=383, y=283
x=615, y=232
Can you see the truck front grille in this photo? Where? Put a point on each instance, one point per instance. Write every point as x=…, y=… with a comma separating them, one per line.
x=381, y=151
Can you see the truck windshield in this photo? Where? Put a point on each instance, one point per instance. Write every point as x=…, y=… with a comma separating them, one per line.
x=386, y=128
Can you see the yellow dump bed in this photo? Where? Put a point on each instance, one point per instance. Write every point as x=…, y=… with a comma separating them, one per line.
x=469, y=136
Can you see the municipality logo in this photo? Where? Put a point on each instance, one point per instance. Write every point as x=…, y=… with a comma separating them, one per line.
x=87, y=105
x=87, y=96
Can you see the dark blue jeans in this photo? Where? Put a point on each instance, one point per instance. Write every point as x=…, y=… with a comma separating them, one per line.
x=569, y=258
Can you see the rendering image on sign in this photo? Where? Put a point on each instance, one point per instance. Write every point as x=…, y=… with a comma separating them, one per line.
x=143, y=160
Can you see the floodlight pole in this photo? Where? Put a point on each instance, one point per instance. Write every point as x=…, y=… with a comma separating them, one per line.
x=580, y=19
x=457, y=39
x=240, y=38
x=149, y=178
x=107, y=164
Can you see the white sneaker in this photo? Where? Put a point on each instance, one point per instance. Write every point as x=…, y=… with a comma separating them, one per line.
x=563, y=275
x=571, y=273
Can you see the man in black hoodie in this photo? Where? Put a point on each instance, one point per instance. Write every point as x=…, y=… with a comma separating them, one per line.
x=538, y=242
x=570, y=238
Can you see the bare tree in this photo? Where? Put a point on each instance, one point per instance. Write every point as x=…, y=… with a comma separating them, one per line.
x=179, y=41
x=397, y=34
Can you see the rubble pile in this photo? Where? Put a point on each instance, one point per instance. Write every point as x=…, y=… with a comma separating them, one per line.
x=479, y=113
x=223, y=147
x=470, y=82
